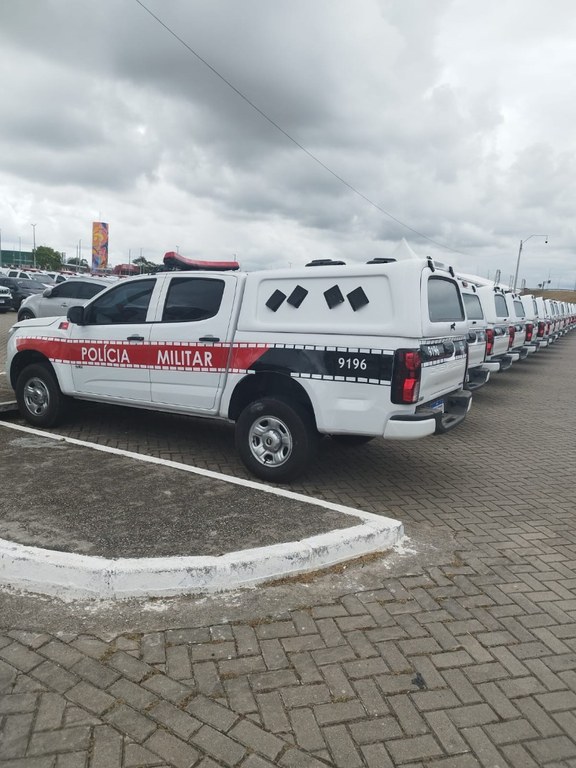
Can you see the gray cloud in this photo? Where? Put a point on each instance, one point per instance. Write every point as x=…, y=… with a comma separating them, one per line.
x=453, y=117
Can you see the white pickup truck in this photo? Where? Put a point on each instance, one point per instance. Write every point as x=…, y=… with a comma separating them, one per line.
x=477, y=374
x=498, y=341
x=355, y=352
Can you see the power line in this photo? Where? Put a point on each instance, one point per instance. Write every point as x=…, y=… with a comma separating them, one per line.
x=294, y=141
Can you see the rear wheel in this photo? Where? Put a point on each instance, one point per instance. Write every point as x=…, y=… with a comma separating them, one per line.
x=40, y=400
x=276, y=439
x=25, y=314
x=351, y=441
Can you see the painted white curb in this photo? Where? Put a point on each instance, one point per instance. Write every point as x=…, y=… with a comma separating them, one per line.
x=70, y=575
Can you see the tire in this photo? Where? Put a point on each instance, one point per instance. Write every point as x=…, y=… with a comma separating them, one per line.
x=25, y=314
x=351, y=441
x=276, y=439
x=39, y=398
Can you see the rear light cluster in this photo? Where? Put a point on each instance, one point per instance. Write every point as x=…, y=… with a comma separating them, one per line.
x=529, y=331
x=489, y=341
x=541, y=329
x=511, y=335
x=406, y=376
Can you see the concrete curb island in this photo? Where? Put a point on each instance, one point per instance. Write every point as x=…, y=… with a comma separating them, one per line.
x=69, y=575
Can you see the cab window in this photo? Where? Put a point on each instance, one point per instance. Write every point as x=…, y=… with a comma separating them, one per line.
x=473, y=306
x=500, y=305
x=444, y=303
x=190, y=299
x=125, y=303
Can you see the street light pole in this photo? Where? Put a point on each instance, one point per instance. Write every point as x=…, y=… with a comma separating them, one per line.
x=34, y=244
x=520, y=253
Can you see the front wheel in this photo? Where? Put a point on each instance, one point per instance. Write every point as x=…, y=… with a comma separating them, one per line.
x=25, y=314
x=40, y=400
x=276, y=439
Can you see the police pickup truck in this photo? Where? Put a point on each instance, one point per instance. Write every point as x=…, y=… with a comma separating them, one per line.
x=351, y=351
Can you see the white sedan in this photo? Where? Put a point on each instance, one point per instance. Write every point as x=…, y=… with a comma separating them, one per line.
x=56, y=300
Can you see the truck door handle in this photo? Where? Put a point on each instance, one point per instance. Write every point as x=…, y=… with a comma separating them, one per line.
x=213, y=339
x=135, y=337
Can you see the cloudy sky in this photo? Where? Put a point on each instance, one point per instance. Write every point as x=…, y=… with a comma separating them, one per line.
x=448, y=122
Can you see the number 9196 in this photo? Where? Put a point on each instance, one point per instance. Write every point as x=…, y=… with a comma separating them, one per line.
x=352, y=364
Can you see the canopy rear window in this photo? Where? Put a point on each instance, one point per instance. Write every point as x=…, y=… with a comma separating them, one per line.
x=473, y=306
x=444, y=302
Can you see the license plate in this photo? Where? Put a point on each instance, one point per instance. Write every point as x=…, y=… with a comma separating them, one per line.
x=437, y=406
x=3, y=301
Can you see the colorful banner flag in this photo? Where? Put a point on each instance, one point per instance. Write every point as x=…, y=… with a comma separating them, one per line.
x=99, y=245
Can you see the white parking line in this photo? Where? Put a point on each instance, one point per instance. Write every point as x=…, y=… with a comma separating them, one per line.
x=72, y=575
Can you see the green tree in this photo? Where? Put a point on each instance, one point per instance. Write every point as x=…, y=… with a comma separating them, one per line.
x=74, y=261
x=48, y=258
x=144, y=265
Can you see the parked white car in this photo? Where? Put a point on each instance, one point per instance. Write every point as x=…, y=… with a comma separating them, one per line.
x=56, y=300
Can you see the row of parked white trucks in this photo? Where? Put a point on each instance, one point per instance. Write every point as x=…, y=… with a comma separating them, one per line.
x=390, y=348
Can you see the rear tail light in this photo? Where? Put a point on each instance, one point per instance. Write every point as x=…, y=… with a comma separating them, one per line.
x=511, y=335
x=548, y=328
x=529, y=331
x=489, y=341
x=541, y=329
x=406, y=376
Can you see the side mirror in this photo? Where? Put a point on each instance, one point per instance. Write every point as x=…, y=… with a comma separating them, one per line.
x=47, y=292
x=76, y=315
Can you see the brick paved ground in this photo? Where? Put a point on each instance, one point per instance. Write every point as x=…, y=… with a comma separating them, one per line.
x=468, y=663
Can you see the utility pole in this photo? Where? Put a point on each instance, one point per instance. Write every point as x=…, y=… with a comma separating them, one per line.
x=513, y=286
x=34, y=244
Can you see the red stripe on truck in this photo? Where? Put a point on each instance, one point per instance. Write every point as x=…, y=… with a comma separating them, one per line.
x=160, y=355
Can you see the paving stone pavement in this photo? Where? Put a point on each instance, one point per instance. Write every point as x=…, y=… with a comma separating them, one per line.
x=467, y=663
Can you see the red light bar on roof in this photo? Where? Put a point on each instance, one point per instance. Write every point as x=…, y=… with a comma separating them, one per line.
x=174, y=260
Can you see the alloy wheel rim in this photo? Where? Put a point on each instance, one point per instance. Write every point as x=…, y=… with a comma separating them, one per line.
x=270, y=441
x=36, y=396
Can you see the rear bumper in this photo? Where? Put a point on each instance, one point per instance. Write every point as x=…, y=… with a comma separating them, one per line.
x=477, y=377
x=410, y=427
x=457, y=406
x=498, y=364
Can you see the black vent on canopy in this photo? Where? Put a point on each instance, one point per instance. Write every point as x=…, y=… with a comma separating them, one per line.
x=333, y=296
x=357, y=299
x=275, y=300
x=297, y=296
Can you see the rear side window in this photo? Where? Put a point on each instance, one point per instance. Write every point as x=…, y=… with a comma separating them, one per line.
x=473, y=306
x=519, y=308
x=535, y=307
x=191, y=299
x=444, y=303
x=88, y=290
x=500, y=305
x=69, y=291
